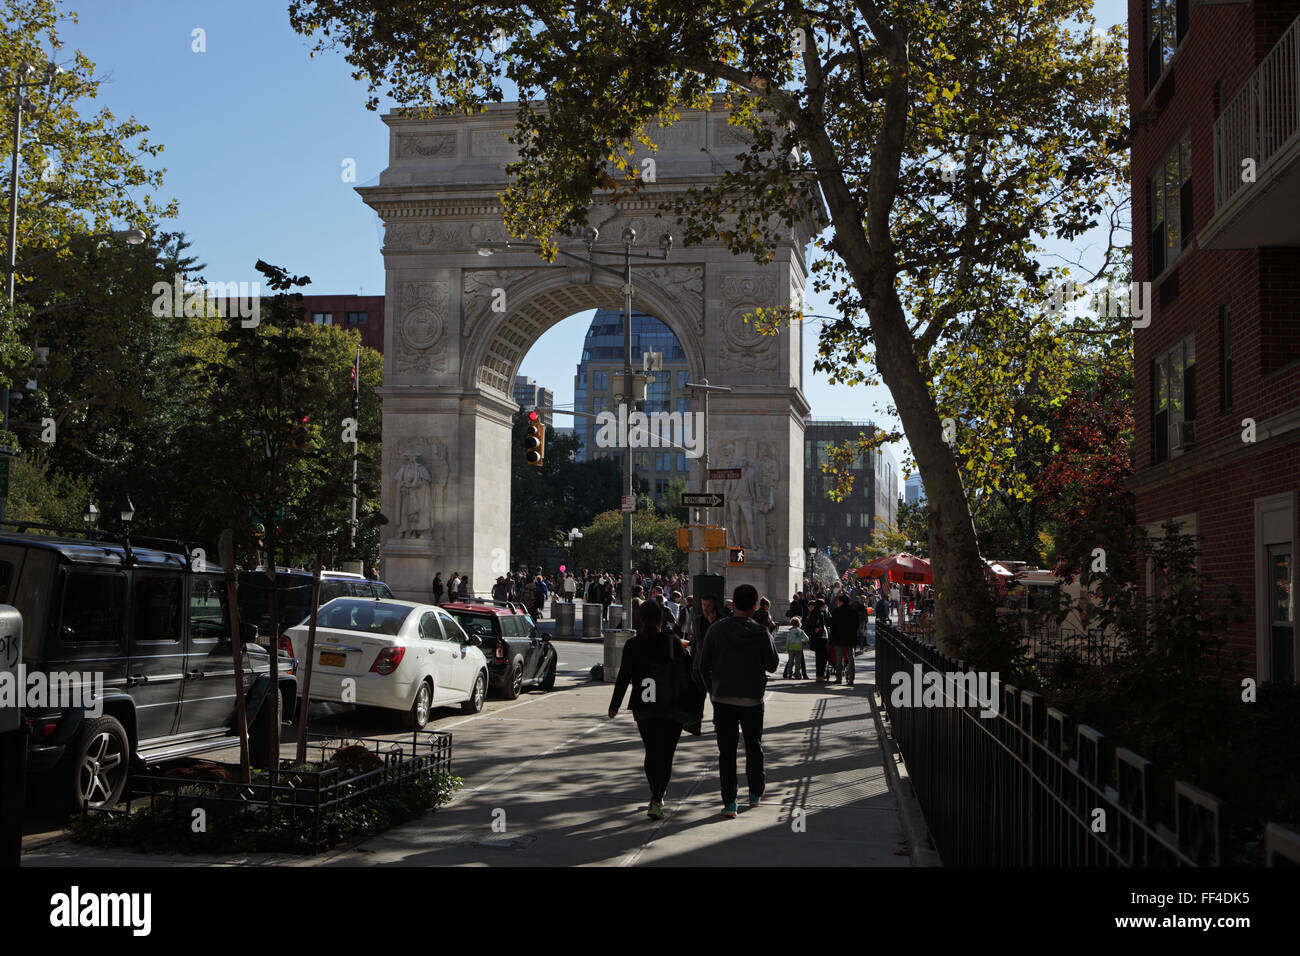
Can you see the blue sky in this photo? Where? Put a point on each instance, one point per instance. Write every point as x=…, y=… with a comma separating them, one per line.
x=256, y=132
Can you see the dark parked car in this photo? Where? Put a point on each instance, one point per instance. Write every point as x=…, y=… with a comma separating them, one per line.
x=518, y=655
x=293, y=597
x=157, y=633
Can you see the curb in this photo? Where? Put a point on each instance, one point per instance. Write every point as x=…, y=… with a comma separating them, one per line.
x=915, y=828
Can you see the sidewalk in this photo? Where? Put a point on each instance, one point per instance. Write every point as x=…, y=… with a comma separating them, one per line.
x=550, y=781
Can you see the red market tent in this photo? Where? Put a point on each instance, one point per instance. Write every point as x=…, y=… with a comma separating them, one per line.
x=901, y=568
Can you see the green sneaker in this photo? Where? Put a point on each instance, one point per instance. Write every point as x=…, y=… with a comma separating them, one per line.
x=753, y=799
x=729, y=811
x=655, y=811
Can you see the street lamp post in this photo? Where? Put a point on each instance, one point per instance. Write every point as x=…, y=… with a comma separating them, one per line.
x=628, y=239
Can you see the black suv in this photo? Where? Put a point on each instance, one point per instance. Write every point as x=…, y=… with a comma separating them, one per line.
x=517, y=653
x=293, y=598
x=157, y=633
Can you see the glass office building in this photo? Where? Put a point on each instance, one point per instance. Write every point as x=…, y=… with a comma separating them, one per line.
x=602, y=358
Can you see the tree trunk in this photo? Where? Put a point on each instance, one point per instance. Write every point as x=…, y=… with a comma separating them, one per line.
x=962, y=600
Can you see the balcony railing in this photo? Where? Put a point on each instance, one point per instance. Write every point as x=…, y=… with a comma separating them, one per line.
x=1261, y=119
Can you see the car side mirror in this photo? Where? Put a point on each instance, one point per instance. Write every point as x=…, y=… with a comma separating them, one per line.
x=247, y=632
x=473, y=640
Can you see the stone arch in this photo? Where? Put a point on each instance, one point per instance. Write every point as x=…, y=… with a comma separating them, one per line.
x=499, y=341
x=450, y=356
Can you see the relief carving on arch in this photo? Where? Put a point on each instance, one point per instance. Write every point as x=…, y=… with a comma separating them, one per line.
x=421, y=326
x=744, y=347
x=750, y=513
x=420, y=471
x=481, y=289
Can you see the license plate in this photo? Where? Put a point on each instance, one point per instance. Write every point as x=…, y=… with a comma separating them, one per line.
x=333, y=660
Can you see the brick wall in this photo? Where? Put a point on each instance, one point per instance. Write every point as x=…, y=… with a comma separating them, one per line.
x=1261, y=287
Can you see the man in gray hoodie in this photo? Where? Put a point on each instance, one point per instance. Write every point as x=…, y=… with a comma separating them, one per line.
x=731, y=665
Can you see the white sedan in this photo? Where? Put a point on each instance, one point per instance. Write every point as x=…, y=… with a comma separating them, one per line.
x=393, y=654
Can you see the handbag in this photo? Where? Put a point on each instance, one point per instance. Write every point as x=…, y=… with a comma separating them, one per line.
x=688, y=696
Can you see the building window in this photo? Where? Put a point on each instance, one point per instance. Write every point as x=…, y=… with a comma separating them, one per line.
x=1166, y=25
x=683, y=378
x=600, y=380
x=864, y=519
x=1225, y=358
x=322, y=318
x=356, y=318
x=664, y=461
x=848, y=519
x=684, y=405
x=661, y=487
x=807, y=454
x=1170, y=205
x=1173, y=401
x=681, y=461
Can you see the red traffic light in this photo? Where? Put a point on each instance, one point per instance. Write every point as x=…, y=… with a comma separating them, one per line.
x=533, y=416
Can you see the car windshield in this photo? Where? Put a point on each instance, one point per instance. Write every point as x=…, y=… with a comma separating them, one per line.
x=476, y=624
x=370, y=617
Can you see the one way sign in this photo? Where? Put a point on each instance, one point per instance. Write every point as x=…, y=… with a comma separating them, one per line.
x=707, y=499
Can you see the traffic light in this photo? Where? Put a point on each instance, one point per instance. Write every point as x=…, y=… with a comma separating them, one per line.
x=535, y=441
x=735, y=556
x=301, y=434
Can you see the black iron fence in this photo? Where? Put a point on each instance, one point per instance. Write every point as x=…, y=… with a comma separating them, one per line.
x=1025, y=786
x=340, y=774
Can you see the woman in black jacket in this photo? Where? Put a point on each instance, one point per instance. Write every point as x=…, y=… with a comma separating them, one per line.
x=648, y=665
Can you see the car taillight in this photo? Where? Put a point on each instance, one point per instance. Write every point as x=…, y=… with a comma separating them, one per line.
x=286, y=645
x=387, y=660
x=501, y=651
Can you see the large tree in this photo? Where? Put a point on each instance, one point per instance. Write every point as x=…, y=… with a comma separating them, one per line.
x=943, y=140
x=83, y=171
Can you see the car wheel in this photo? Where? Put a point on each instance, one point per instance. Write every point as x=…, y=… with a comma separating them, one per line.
x=100, y=762
x=514, y=682
x=548, y=677
x=418, y=716
x=475, y=702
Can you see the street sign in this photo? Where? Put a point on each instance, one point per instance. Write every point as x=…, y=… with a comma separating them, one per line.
x=708, y=499
x=629, y=504
x=4, y=477
x=735, y=557
x=724, y=474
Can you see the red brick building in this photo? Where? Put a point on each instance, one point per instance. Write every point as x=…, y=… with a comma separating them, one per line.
x=365, y=313
x=1215, y=100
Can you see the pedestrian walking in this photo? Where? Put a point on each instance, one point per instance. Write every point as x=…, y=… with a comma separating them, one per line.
x=818, y=627
x=655, y=666
x=764, y=615
x=437, y=588
x=453, y=586
x=732, y=666
x=844, y=634
x=795, y=639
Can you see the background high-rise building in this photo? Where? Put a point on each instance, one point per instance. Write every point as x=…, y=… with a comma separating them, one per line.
x=872, y=504
x=602, y=357
x=914, y=490
x=531, y=395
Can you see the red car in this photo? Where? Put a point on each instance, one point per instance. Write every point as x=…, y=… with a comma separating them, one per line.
x=518, y=654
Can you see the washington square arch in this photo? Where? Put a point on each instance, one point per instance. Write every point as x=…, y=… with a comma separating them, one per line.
x=457, y=327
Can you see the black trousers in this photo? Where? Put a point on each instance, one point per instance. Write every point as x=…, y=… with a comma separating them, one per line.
x=730, y=722
x=660, y=736
x=820, y=650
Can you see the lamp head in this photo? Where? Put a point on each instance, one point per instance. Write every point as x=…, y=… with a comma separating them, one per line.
x=629, y=235
x=128, y=512
x=666, y=242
